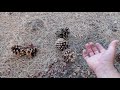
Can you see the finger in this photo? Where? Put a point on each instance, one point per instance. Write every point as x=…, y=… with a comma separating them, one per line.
x=100, y=47
x=94, y=48
x=89, y=50
x=112, y=45
x=85, y=54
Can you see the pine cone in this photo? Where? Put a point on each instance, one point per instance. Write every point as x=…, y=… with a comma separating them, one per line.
x=29, y=51
x=69, y=55
x=63, y=33
x=16, y=49
x=61, y=44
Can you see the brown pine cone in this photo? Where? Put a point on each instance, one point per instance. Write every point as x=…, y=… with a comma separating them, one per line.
x=61, y=44
x=69, y=55
x=16, y=49
x=63, y=33
x=29, y=51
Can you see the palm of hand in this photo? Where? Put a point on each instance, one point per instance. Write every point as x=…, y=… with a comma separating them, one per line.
x=96, y=56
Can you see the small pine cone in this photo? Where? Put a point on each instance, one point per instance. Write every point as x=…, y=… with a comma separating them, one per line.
x=61, y=44
x=22, y=52
x=63, y=33
x=69, y=55
x=16, y=49
x=31, y=52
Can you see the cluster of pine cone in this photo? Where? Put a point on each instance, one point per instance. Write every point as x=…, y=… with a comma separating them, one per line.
x=62, y=45
x=62, y=35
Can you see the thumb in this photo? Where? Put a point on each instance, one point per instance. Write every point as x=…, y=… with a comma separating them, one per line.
x=112, y=45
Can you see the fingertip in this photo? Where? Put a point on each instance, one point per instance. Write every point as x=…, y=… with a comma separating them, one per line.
x=86, y=44
x=97, y=43
x=113, y=45
x=116, y=41
x=91, y=43
x=84, y=52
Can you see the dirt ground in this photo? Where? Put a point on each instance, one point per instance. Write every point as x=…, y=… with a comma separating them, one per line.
x=38, y=28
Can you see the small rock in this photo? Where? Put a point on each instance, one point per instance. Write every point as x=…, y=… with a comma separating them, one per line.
x=46, y=69
x=113, y=27
x=10, y=13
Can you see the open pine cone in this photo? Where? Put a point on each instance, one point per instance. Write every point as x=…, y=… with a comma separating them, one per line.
x=61, y=44
x=29, y=51
x=63, y=33
x=69, y=55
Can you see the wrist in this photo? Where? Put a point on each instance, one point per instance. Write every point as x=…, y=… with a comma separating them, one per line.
x=107, y=72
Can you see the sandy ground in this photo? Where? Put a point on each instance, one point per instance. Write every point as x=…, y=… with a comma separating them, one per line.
x=21, y=28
